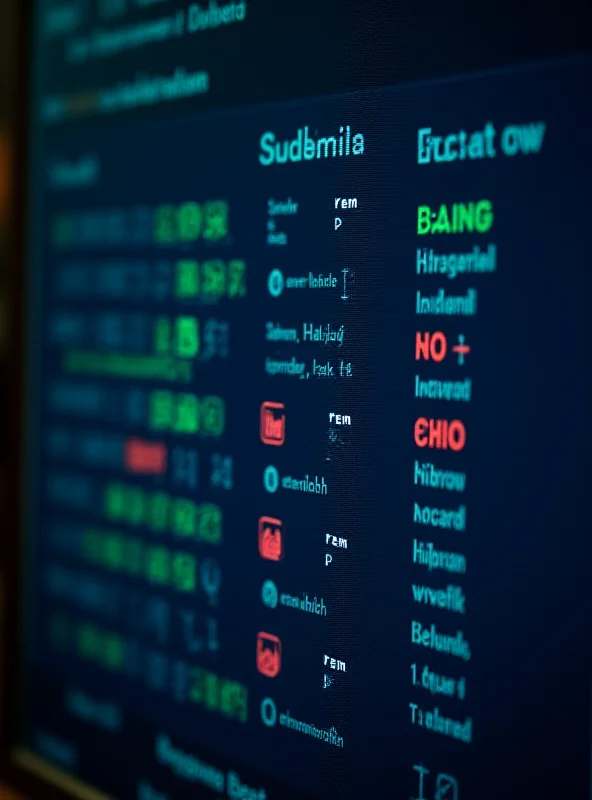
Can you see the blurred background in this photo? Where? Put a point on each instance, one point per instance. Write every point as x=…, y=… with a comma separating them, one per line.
x=7, y=101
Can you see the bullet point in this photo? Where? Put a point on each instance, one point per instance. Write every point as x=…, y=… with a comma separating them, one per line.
x=269, y=594
x=275, y=282
x=271, y=479
x=268, y=712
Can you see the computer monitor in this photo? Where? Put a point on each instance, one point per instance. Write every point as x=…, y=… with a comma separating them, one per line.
x=303, y=442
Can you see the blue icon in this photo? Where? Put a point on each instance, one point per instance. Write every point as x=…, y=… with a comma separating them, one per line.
x=275, y=283
x=268, y=712
x=269, y=594
x=271, y=479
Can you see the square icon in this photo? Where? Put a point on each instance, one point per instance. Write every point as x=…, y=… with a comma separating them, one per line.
x=269, y=654
x=271, y=538
x=272, y=423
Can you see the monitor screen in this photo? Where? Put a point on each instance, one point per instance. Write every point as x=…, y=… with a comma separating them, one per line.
x=305, y=502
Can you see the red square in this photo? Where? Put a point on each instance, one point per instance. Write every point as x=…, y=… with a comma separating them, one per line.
x=272, y=423
x=271, y=538
x=269, y=654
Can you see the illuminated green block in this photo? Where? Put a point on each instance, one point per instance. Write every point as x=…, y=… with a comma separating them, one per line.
x=113, y=654
x=89, y=642
x=162, y=336
x=165, y=224
x=162, y=407
x=135, y=505
x=92, y=546
x=133, y=556
x=158, y=565
x=197, y=677
x=187, y=279
x=214, y=278
x=187, y=414
x=237, y=278
x=215, y=220
x=158, y=512
x=211, y=691
x=184, y=572
x=212, y=415
x=234, y=700
x=189, y=220
x=210, y=523
x=115, y=500
x=184, y=518
x=186, y=337
x=113, y=544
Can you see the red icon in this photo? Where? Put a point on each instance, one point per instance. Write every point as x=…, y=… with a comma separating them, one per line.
x=271, y=538
x=272, y=423
x=145, y=458
x=269, y=654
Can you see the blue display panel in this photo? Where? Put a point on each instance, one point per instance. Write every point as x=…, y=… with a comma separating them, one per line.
x=309, y=435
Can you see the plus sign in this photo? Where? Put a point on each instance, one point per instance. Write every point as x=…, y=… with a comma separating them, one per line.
x=461, y=349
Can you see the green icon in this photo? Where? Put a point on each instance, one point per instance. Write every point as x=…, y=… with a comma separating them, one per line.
x=268, y=712
x=162, y=336
x=115, y=500
x=187, y=414
x=271, y=479
x=113, y=545
x=184, y=572
x=159, y=510
x=187, y=279
x=161, y=409
x=187, y=337
x=275, y=283
x=234, y=700
x=216, y=220
x=189, y=221
x=214, y=277
x=158, y=565
x=236, y=279
x=212, y=415
x=113, y=652
x=269, y=594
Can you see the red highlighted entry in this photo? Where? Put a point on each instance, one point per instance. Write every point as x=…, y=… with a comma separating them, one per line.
x=269, y=654
x=272, y=426
x=145, y=458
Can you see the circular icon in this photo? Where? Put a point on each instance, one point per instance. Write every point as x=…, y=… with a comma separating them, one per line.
x=268, y=712
x=269, y=594
x=271, y=479
x=275, y=283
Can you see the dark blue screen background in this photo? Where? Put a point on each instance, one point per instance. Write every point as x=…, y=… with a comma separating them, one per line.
x=526, y=540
